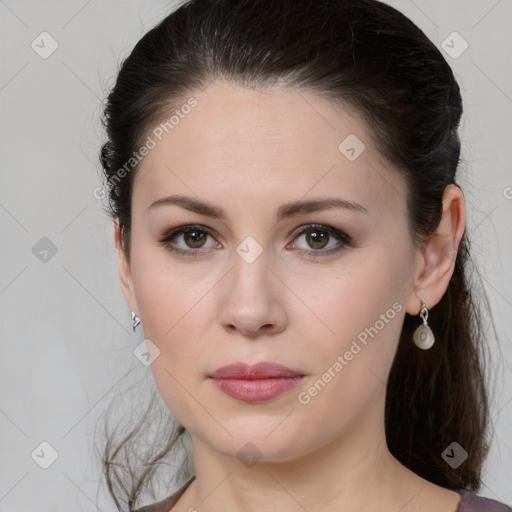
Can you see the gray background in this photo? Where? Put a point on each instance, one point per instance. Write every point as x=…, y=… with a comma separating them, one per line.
x=67, y=345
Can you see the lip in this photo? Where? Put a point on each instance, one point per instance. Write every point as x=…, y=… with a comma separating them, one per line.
x=262, y=370
x=255, y=383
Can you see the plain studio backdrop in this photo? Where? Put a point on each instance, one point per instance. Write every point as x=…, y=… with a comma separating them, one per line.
x=67, y=344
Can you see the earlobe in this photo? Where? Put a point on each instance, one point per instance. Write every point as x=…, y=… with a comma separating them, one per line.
x=438, y=253
x=125, y=274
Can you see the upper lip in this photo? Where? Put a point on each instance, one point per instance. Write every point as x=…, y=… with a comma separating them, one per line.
x=262, y=370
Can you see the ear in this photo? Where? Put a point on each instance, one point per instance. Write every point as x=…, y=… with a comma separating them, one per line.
x=436, y=256
x=125, y=273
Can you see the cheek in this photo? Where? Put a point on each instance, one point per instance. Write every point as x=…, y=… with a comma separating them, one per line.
x=166, y=294
x=351, y=301
x=174, y=316
x=173, y=306
x=175, y=327
x=365, y=314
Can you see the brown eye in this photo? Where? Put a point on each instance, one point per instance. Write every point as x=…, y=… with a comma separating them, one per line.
x=190, y=241
x=320, y=240
x=194, y=239
x=317, y=239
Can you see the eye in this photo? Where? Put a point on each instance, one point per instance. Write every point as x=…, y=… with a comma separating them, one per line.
x=192, y=238
x=189, y=240
x=319, y=237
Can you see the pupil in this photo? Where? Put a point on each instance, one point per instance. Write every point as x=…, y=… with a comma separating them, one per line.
x=195, y=237
x=315, y=237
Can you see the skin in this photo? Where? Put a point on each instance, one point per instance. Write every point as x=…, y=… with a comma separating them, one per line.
x=249, y=152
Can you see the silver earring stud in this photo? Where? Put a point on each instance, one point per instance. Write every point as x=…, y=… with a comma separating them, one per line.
x=136, y=320
x=423, y=336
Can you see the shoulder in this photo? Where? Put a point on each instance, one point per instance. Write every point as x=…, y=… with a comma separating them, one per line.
x=471, y=502
x=166, y=504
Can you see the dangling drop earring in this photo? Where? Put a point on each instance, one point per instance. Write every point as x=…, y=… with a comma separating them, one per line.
x=136, y=320
x=423, y=336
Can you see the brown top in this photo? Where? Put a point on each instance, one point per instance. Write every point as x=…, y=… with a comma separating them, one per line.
x=469, y=502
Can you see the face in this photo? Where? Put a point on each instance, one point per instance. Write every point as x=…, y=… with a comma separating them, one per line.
x=321, y=290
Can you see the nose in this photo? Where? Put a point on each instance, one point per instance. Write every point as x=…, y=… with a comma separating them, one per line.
x=253, y=298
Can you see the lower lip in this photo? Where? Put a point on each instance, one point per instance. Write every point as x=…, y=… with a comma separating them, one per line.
x=256, y=390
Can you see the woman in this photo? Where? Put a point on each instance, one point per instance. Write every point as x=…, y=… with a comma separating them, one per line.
x=292, y=240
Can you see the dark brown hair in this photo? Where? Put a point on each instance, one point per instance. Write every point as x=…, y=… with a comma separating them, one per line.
x=369, y=56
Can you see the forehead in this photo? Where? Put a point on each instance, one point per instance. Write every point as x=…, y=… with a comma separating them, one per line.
x=250, y=146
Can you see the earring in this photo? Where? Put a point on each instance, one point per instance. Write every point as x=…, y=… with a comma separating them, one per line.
x=136, y=320
x=423, y=336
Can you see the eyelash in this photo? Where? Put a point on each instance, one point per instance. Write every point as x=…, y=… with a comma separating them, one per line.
x=345, y=240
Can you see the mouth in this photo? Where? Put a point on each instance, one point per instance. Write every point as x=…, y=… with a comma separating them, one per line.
x=257, y=383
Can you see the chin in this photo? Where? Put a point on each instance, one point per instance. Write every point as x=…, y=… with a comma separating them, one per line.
x=259, y=440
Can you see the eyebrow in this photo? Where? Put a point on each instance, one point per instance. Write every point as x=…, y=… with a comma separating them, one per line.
x=286, y=210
